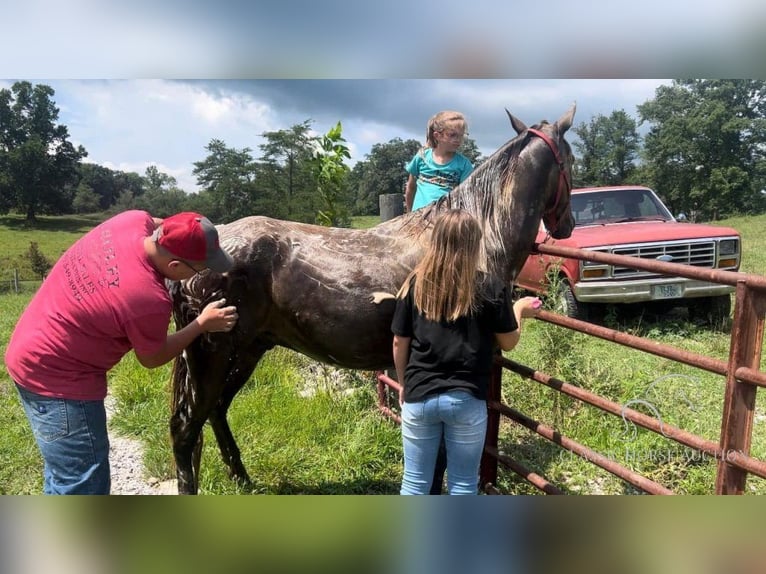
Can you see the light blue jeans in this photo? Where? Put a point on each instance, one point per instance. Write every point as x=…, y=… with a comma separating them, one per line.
x=72, y=437
x=462, y=418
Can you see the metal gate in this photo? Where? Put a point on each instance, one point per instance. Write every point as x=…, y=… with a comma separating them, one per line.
x=741, y=372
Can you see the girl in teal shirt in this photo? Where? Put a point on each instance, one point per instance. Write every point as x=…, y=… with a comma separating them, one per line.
x=438, y=167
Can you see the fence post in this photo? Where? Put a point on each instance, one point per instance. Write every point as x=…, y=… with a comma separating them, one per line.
x=391, y=205
x=488, y=468
x=16, y=281
x=739, y=400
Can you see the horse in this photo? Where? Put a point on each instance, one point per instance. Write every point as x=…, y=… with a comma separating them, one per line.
x=328, y=293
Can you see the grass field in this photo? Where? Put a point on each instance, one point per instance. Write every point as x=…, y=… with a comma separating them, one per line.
x=364, y=221
x=52, y=234
x=333, y=440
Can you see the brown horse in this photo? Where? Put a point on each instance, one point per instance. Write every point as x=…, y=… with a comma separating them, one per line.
x=328, y=292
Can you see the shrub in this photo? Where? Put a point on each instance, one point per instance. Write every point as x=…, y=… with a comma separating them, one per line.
x=39, y=262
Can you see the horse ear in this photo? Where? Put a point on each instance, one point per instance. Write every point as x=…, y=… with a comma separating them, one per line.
x=517, y=124
x=565, y=121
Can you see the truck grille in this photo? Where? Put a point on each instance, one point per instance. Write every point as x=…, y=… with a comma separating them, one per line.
x=697, y=254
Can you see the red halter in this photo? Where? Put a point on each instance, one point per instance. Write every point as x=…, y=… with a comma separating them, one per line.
x=564, y=182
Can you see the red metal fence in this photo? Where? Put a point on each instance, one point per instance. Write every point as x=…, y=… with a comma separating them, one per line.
x=742, y=374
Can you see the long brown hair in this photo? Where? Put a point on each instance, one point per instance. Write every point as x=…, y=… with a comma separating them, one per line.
x=445, y=279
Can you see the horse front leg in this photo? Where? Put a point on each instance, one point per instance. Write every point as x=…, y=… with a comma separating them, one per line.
x=195, y=394
x=238, y=375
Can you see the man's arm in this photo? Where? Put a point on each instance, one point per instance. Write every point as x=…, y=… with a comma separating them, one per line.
x=212, y=319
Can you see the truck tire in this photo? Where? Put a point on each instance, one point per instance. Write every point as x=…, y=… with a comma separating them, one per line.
x=568, y=305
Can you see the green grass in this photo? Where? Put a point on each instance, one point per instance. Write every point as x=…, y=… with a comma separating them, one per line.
x=20, y=464
x=53, y=234
x=327, y=443
x=364, y=221
x=333, y=442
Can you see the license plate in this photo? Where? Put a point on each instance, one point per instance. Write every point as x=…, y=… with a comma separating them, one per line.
x=669, y=291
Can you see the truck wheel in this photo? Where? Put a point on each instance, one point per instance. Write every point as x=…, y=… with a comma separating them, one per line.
x=712, y=311
x=568, y=305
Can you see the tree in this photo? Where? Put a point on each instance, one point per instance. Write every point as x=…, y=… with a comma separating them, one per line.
x=107, y=184
x=226, y=175
x=470, y=150
x=330, y=174
x=286, y=170
x=39, y=262
x=706, y=145
x=381, y=172
x=38, y=163
x=125, y=202
x=162, y=196
x=608, y=148
x=101, y=181
x=85, y=199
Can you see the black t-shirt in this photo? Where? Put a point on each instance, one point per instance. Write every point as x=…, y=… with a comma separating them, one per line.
x=449, y=355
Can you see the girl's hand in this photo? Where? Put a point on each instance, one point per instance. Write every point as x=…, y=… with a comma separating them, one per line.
x=528, y=306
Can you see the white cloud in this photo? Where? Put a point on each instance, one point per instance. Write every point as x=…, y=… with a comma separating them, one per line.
x=230, y=110
x=138, y=123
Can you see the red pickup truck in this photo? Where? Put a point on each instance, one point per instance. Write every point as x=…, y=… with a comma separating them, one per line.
x=633, y=221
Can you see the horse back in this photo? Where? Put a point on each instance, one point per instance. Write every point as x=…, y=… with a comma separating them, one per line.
x=325, y=292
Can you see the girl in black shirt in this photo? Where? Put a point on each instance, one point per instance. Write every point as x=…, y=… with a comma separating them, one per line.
x=449, y=318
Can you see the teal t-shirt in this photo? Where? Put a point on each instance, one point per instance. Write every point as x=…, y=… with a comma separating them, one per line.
x=435, y=179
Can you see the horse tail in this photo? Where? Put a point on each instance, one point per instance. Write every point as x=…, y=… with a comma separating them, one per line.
x=177, y=378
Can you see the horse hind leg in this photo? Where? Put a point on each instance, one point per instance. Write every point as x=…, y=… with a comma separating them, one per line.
x=236, y=378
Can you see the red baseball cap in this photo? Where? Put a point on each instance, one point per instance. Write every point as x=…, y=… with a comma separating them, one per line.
x=193, y=237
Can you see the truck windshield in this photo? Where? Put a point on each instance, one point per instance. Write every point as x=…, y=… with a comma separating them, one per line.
x=599, y=207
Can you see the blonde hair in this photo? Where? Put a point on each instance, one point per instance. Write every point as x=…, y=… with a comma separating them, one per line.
x=439, y=121
x=445, y=279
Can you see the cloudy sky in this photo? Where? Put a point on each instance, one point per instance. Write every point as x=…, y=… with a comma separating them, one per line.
x=128, y=125
x=229, y=47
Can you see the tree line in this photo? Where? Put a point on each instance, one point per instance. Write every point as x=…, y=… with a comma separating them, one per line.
x=699, y=143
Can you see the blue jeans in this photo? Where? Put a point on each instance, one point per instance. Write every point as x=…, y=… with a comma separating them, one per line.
x=463, y=420
x=72, y=437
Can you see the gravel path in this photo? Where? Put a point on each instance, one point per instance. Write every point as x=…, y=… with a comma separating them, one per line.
x=127, y=465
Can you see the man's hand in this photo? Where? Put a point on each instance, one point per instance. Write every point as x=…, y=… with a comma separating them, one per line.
x=216, y=318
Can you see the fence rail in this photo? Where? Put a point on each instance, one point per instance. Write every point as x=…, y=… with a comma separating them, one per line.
x=13, y=283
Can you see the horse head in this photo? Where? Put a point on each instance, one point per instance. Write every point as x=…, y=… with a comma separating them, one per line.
x=557, y=213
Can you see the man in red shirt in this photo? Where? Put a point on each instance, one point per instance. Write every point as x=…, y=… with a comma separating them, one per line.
x=105, y=296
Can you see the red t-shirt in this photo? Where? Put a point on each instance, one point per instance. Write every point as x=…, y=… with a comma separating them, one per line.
x=102, y=298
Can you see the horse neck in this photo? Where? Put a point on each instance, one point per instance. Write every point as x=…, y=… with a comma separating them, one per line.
x=506, y=198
